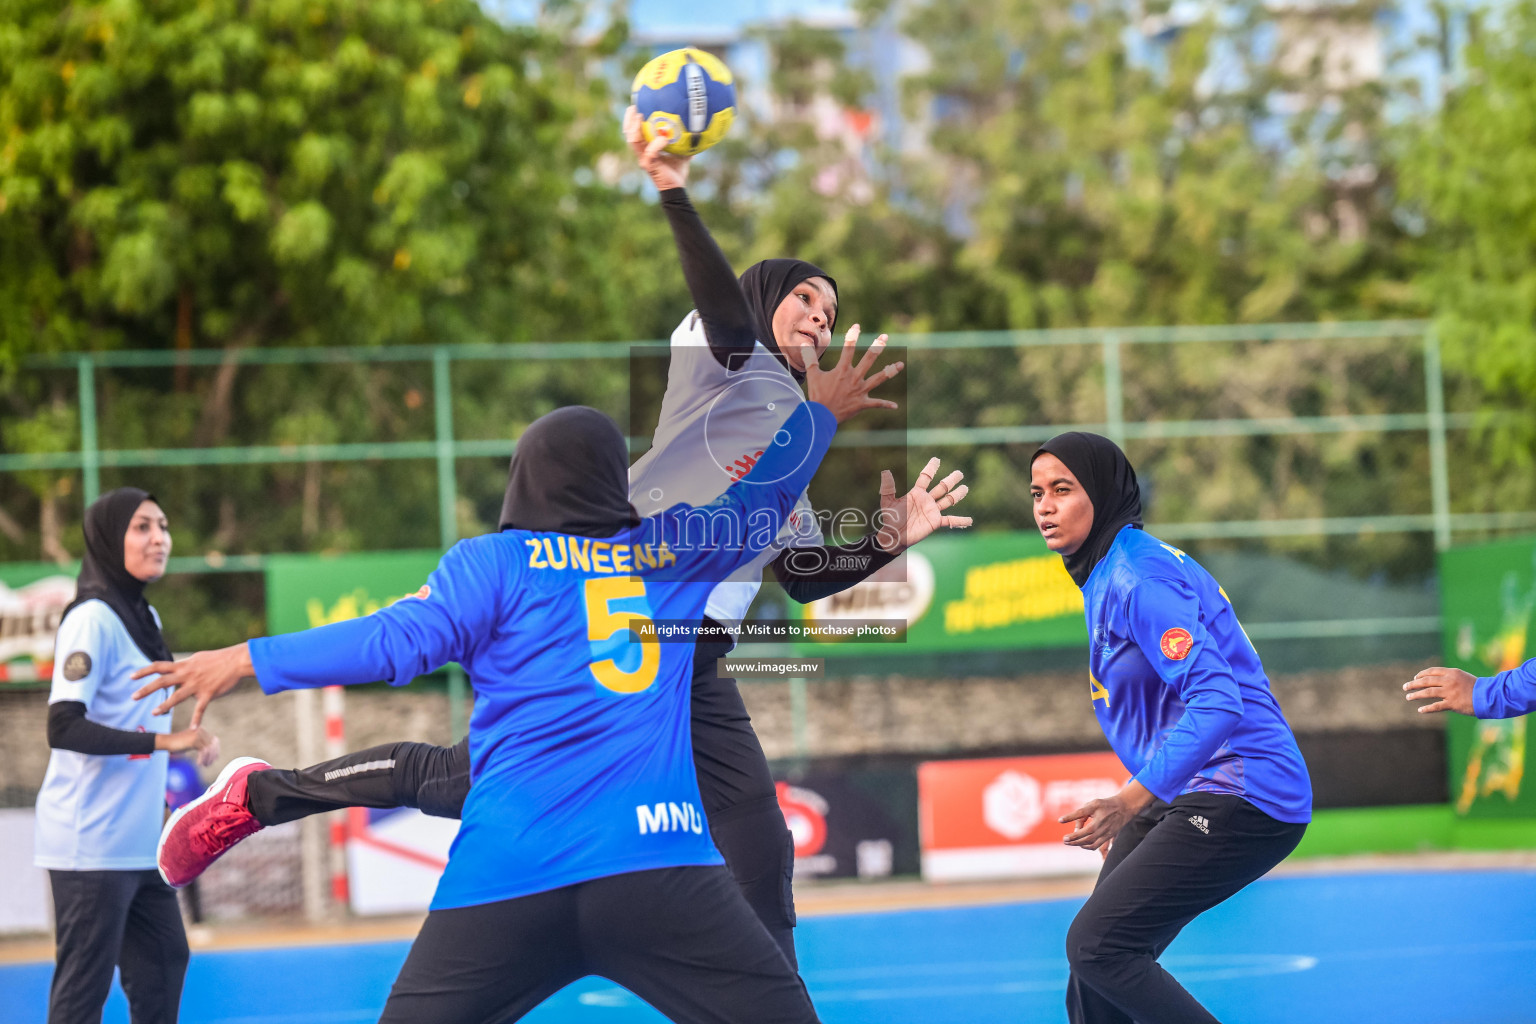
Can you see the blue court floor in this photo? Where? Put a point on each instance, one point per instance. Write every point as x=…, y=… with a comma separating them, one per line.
x=1399, y=948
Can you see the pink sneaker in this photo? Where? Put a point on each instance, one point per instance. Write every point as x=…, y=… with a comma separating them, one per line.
x=203, y=830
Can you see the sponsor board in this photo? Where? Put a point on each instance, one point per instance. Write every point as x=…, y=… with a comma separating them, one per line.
x=30, y=613
x=996, y=818
x=999, y=591
x=304, y=591
x=843, y=827
x=1488, y=610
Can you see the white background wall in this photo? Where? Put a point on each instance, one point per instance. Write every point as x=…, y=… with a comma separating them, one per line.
x=24, y=902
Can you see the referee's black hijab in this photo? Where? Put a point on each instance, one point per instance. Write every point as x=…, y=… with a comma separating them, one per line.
x=104, y=575
x=1110, y=483
x=570, y=474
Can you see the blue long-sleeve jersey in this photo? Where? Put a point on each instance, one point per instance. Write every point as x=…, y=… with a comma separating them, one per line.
x=1508, y=694
x=1179, y=689
x=581, y=760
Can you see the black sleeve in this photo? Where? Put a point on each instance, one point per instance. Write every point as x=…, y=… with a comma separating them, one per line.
x=711, y=281
x=69, y=729
x=810, y=574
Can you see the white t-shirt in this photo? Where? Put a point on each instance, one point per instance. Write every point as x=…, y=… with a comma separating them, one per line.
x=714, y=425
x=101, y=812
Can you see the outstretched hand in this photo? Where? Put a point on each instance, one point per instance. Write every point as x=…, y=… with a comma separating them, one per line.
x=1449, y=688
x=203, y=676
x=845, y=388
x=906, y=520
x=665, y=170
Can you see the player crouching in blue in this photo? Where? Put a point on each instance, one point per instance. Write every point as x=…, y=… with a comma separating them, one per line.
x=583, y=849
x=1219, y=793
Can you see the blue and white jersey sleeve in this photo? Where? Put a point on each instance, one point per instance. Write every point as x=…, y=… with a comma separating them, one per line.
x=443, y=622
x=1165, y=622
x=84, y=644
x=712, y=541
x=93, y=659
x=1508, y=694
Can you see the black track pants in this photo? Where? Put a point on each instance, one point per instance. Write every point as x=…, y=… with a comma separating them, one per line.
x=682, y=939
x=734, y=783
x=1172, y=863
x=739, y=798
x=424, y=775
x=116, y=919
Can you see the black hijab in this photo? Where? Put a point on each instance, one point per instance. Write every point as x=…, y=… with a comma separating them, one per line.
x=104, y=577
x=1110, y=481
x=765, y=285
x=570, y=474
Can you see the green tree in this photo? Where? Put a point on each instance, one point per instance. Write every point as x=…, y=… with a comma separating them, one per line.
x=228, y=174
x=185, y=174
x=1210, y=176
x=1470, y=173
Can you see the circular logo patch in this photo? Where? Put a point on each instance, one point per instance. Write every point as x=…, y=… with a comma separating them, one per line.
x=77, y=666
x=1177, y=643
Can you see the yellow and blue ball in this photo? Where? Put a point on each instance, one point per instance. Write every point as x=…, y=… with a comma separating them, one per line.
x=687, y=95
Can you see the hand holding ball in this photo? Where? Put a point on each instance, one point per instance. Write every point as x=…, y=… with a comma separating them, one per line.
x=687, y=96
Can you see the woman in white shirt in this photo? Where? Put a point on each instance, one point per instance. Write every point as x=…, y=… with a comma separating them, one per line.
x=102, y=802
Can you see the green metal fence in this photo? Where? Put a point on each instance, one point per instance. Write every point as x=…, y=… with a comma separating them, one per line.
x=1434, y=422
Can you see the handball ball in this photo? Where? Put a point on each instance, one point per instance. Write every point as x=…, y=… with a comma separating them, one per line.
x=687, y=96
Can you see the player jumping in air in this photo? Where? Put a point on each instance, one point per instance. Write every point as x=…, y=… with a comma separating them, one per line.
x=583, y=848
x=1219, y=793
x=735, y=373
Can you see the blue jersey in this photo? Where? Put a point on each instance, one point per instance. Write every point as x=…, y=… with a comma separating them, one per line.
x=1179, y=689
x=582, y=765
x=1509, y=694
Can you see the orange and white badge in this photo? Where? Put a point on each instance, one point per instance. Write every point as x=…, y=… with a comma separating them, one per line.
x=1177, y=643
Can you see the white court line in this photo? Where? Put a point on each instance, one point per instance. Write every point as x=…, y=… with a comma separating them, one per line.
x=1219, y=967
x=1189, y=967
x=1462, y=949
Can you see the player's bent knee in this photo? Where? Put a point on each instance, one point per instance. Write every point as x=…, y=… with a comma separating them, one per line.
x=1087, y=954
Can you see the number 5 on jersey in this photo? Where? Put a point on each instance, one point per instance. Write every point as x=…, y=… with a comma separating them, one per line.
x=604, y=624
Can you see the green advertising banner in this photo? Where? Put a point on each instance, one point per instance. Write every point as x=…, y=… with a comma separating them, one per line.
x=990, y=591
x=1488, y=599
x=304, y=591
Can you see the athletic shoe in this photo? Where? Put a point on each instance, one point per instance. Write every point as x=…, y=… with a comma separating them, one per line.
x=203, y=830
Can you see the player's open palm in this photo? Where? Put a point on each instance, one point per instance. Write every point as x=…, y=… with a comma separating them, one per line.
x=844, y=389
x=907, y=519
x=202, y=677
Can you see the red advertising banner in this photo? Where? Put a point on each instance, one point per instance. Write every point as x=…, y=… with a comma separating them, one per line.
x=996, y=818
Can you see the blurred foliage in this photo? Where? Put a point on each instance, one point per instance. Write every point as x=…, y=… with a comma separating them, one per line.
x=1470, y=173
x=185, y=174
x=1204, y=180
x=209, y=173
